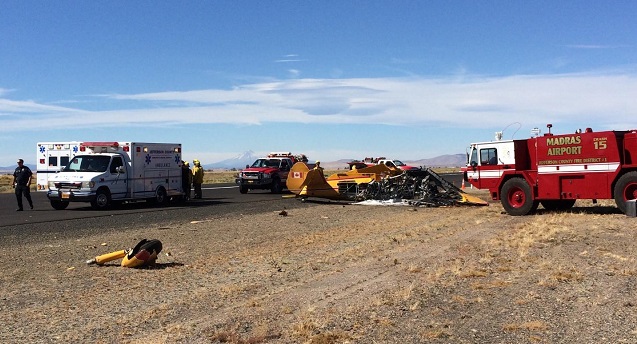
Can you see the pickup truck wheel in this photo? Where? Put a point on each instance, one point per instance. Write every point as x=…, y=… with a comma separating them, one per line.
x=625, y=190
x=59, y=205
x=277, y=187
x=516, y=197
x=102, y=200
x=243, y=189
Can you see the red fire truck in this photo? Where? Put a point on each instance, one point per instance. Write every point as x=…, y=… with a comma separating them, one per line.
x=555, y=170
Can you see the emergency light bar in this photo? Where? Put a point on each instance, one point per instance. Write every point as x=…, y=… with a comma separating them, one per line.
x=281, y=154
x=108, y=144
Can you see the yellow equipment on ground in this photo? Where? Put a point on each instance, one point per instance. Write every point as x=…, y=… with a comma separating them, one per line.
x=144, y=253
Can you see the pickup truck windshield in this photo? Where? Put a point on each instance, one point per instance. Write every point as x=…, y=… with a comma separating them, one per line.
x=88, y=163
x=266, y=163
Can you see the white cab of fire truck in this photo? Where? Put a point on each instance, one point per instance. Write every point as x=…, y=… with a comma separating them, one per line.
x=50, y=158
x=487, y=155
x=106, y=172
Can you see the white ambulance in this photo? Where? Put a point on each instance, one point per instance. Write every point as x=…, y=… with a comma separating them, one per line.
x=50, y=158
x=104, y=173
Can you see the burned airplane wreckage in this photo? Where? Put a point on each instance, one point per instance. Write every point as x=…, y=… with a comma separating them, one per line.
x=419, y=187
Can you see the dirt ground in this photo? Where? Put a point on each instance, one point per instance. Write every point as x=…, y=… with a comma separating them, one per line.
x=337, y=274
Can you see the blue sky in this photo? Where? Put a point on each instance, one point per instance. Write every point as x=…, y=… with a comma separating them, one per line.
x=331, y=79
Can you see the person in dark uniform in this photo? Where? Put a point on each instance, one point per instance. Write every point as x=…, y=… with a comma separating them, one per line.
x=186, y=178
x=22, y=184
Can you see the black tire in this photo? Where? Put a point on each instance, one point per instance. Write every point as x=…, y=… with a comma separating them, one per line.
x=161, y=197
x=516, y=197
x=102, y=200
x=558, y=204
x=243, y=189
x=59, y=205
x=625, y=189
x=277, y=187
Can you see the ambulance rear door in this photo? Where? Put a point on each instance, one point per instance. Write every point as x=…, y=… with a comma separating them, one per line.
x=51, y=157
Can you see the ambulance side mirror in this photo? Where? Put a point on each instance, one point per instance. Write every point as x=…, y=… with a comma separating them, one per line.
x=120, y=169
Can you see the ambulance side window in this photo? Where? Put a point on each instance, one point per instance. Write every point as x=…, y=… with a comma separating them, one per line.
x=64, y=161
x=53, y=161
x=489, y=156
x=117, y=162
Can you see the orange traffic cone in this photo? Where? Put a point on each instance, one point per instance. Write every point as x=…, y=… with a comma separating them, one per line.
x=462, y=187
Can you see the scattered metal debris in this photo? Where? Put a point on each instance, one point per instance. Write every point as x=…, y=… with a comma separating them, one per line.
x=418, y=187
x=421, y=187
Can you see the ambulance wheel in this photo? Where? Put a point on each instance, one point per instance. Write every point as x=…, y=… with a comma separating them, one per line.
x=59, y=205
x=625, y=189
x=516, y=197
x=102, y=200
x=243, y=189
x=277, y=187
x=161, y=198
x=558, y=205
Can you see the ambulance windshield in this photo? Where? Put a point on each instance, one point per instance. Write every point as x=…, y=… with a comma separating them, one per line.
x=88, y=163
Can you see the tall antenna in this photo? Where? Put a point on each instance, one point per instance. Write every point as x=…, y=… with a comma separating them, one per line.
x=516, y=130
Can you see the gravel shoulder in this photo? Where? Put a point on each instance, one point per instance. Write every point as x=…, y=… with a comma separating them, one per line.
x=335, y=273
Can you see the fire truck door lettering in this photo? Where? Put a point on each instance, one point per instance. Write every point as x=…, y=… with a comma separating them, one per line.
x=600, y=142
x=572, y=150
x=564, y=140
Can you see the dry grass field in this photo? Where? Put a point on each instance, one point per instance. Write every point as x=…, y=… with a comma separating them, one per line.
x=336, y=273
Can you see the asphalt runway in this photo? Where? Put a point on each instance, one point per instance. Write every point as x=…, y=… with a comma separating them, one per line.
x=44, y=213
x=79, y=218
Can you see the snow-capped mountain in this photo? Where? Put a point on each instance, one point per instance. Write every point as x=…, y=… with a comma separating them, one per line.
x=238, y=162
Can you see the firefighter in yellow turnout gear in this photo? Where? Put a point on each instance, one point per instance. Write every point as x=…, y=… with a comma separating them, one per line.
x=197, y=178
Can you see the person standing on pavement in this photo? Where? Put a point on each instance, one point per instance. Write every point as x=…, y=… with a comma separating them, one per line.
x=22, y=184
x=197, y=178
x=186, y=178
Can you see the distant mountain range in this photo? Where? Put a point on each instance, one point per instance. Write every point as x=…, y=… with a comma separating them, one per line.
x=247, y=158
x=10, y=169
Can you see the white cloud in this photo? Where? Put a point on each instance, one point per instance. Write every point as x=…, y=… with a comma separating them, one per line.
x=8, y=107
x=289, y=58
x=294, y=73
x=472, y=101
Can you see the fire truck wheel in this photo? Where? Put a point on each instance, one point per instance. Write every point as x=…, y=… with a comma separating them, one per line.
x=625, y=189
x=558, y=205
x=102, y=200
x=516, y=197
x=243, y=189
x=59, y=205
x=277, y=187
